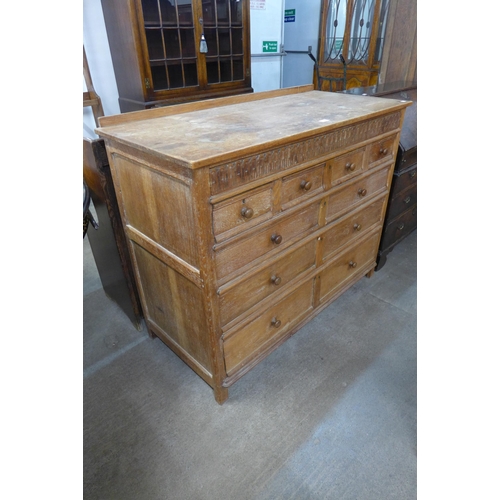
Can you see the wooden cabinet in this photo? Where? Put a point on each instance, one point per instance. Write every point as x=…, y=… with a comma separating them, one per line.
x=351, y=41
x=173, y=51
x=247, y=215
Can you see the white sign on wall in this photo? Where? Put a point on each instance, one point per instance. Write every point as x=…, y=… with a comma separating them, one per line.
x=258, y=4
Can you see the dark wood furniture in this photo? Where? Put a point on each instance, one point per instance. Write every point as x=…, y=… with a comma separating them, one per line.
x=158, y=55
x=107, y=241
x=246, y=216
x=401, y=217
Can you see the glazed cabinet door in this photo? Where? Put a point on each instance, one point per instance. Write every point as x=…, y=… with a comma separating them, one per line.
x=194, y=46
x=175, y=51
x=352, y=35
x=170, y=33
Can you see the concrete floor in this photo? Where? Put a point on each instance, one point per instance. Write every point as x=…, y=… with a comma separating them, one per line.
x=331, y=414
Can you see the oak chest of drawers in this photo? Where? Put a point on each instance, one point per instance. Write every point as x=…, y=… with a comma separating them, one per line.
x=246, y=216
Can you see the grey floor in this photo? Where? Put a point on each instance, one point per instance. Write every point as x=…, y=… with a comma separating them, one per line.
x=331, y=414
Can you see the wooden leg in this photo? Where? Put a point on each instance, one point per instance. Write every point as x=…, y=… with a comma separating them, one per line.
x=369, y=274
x=151, y=333
x=221, y=394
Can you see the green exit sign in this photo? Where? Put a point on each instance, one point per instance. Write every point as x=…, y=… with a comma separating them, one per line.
x=270, y=46
x=290, y=16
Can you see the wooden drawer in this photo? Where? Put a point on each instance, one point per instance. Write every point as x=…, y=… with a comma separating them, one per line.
x=242, y=212
x=382, y=150
x=268, y=328
x=353, y=226
x=235, y=300
x=233, y=255
x=406, y=158
x=404, y=179
x=402, y=202
x=347, y=266
x=346, y=166
x=399, y=228
x=356, y=192
x=261, y=164
x=300, y=185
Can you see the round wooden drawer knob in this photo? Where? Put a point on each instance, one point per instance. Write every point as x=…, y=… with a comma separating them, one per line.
x=247, y=212
x=353, y=264
x=383, y=151
x=357, y=227
x=362, y=192
x=276, y=280
x=276, y=239
x=350, y=166
x=276, y=322
x=401, y=226
x=305, y=185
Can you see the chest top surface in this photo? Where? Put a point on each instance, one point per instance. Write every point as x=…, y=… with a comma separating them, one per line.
x=206, y=136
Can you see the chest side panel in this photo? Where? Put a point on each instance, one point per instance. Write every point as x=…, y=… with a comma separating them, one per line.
x=169, y=297
x=158, y=207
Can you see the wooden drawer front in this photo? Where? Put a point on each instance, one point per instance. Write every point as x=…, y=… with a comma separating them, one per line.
x=348, y=228
x=346, y=166
x=258, y=166
x=242, y=212
x=382, y=150
x=268, y=328
x=399, y=228
x=237, y=299
x=233, y=256
x=406, y=158
x=348, y=265
x=297, y=186
x=356, y=193
x=404, y=180
x=402, y=202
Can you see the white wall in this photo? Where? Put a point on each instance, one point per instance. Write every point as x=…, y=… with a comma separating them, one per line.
x=298, y=36
x=266, y=24
x=96, y=44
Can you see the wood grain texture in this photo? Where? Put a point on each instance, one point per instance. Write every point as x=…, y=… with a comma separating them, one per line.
x=399, y=57
x=208, y=136
x=152, y=205
x=220, y=285
x=402, y=204
x=267, y=328
x=170, y=305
